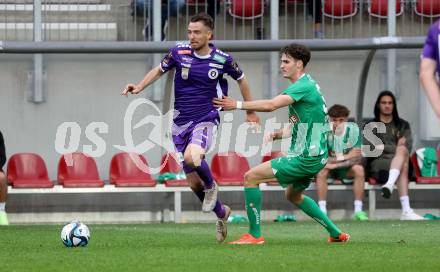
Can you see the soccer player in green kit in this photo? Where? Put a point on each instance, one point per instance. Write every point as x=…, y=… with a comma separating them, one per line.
x=308, y=152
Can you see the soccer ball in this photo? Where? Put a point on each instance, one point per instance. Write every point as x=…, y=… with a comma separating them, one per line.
x=75, y=234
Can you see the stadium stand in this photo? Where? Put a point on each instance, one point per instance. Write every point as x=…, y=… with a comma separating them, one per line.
x=246, y=9
x=427, y=8
x=340, y=9
x=81, y=171
x=229, y=168
x=124, y=171
x=63, y=20
x=28, y=170
x=379, y=8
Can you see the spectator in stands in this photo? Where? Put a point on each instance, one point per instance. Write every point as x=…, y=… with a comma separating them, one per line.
x=315, y=10
x=144, y=8
x=429, y=65
x=3, y=183
x=345, y=159
x=392, y=165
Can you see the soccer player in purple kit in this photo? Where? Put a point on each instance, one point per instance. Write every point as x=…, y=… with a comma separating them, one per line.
x=200, y=68
x=430, y=66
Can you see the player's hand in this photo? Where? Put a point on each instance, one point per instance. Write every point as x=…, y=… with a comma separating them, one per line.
x=402, y=141
x=268, y=137
x=131, y=88
x=253, y=119
x=226, y=103
x=330, y=166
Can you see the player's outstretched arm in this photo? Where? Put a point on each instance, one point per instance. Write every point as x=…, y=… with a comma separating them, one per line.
x=266, y=105
x=251, y=116
x=149, y=78
x=430, y=84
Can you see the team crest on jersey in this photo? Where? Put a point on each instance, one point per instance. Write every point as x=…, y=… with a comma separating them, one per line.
x=185, y=73
x=219, y=58
x=213, y=73
x=293, y=119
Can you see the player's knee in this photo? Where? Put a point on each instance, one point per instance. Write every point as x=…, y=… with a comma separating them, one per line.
x=295, y=198
x=402, y=150
x=322, y=175
x=358, y=170
x=3, y=180
x=192, y=160
x=249, y=179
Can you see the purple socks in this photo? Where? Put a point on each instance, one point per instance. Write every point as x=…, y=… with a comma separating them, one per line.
x=205, y=174
x=219, y=209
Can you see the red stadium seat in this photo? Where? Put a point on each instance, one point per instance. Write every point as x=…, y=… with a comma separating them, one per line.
x=419, y=178
x=81, y=171
x=229, y=168
x=379, y=8
x=372, y=181
x=172, y=166
x=124, y=171
x=427, y=8
x=28, y=170
x=272, y=155
x=339, y=9
x=246, y=9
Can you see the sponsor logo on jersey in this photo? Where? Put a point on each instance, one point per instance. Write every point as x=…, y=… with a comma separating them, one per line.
x=219, y=58
x=187, y=59
x=184, y=52
x=293, y=119
x=213, y=73
x=166, y=59
x=215, y=65
x=236, y=68
x=185, y=73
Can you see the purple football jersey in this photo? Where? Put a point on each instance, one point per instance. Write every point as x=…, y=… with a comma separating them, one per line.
x=198, y=80
x=431, y=49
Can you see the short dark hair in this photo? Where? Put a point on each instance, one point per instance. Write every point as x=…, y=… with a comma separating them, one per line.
x=205, y=18
x=298, y=52
x=337, y=111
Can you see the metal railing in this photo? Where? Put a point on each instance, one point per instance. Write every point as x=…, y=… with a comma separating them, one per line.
x=139, y=20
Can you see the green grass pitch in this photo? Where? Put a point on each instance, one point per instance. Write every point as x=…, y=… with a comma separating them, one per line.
x=293, y=246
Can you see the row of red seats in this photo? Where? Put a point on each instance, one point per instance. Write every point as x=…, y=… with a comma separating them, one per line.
x=250, y=9
x=28, y=170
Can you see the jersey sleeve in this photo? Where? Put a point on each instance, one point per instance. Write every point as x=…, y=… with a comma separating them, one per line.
x=405, y=131
x=430, y=49
x=356, y=134
x=296, y=91
x=168, y=62
x=232, y=69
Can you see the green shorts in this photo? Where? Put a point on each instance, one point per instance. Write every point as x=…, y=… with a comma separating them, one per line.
x=298, y=171
x=340, y=173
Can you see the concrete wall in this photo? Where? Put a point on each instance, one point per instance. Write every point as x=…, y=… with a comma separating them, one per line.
x=86, y=88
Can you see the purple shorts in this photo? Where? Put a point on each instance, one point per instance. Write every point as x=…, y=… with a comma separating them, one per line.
x=201, y=134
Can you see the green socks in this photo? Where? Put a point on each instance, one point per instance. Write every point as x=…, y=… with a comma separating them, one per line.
x=253, y=206
x=312, y=209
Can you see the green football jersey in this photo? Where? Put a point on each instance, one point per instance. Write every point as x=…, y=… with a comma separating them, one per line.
x=308, y=115
x=342, y=144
